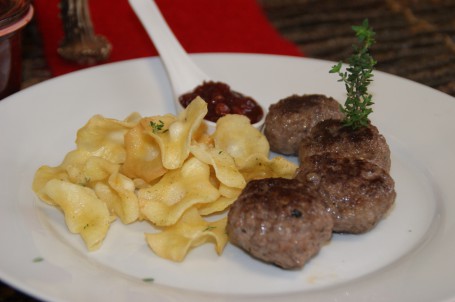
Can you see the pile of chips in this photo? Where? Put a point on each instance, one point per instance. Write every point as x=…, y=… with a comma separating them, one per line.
x=164, y=169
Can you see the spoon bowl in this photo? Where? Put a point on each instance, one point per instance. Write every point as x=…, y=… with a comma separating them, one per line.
x=183, y=73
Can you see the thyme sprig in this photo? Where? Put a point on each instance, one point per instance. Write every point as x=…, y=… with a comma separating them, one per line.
x=357, y=77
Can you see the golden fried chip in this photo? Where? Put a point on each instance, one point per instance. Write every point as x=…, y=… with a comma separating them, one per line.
x=103, y=137
x=132, y=119
x=190, y=231
x=74, y=163
x=76, y=157
x=235, y=135
x=143, y=154
x=85, y=213
x=258, y=166
x=128, y=208
x=84, y=170
x=71, y=170
x=219, y=205
x=105, y=192
x=42, y=176
x=119, y=195
x=142, y=184
x=97, y=169
x=283, y=167
x=174, y=139
x=229, y=191
x=223, y=164
x=165, y=202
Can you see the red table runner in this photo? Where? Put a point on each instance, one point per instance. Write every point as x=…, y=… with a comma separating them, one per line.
x=200, y=25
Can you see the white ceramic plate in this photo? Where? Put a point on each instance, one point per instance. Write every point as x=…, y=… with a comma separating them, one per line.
x=409, y=256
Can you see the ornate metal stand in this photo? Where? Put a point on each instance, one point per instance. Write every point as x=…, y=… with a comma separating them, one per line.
x=80, y=43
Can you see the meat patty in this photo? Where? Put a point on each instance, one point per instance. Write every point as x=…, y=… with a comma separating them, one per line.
x=333, y=137
x=279, y=221
x=357, y=193
x=291, y=119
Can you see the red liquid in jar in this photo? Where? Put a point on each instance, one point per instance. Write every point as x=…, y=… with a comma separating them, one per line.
x=14, y=15
x=10, y=64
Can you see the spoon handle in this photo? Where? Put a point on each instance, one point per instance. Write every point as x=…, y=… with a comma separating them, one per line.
x=183, y=73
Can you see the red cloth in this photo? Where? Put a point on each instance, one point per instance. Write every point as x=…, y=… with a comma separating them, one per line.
x=200, y=25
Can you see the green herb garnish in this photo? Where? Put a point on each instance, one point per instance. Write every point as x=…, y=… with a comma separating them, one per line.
x=148, y=279
x=209, y=228
x=38, y=259
x=157, y=127
x=357, y=77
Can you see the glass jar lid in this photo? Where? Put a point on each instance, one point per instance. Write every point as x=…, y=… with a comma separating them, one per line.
x=12, y=11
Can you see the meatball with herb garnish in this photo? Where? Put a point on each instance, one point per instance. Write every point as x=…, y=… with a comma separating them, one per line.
x=333, y=136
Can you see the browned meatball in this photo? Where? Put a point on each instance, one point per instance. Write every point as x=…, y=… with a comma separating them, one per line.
x=279, y=221
x=357, y=193
x=333, y=137
x=291, y=119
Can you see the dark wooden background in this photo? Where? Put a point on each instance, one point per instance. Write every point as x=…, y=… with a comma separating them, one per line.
x=415, y=39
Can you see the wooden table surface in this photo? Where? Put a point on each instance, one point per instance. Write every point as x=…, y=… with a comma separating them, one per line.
x=415, y=40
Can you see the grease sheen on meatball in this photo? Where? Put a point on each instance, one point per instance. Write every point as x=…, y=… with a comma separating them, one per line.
x=291, y=119
x=332, y=136
x=357, y=193
x=279, y=221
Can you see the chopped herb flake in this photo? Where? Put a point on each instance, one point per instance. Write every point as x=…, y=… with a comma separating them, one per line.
x=157, y=127
x=209, y=228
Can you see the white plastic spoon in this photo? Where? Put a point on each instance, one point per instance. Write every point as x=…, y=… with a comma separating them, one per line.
x=183, y=73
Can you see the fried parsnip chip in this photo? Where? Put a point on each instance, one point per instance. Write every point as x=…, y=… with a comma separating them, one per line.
x=190, y=231
x=97, y=169
x=42, y=176
x=103, y=137
x=143, y=154
x=104, y=192
x=119, y=195
x=127, y=206
x=165, y=202
x=78, y=167
x=174, y=139
x=283, y=167
x=219, y=205
x=224, y=165
x=93, y=169
x=85, y=213
x=258, y=166
x=132, y=119
x=235, y=135
x=229, y=191
x=71, y=170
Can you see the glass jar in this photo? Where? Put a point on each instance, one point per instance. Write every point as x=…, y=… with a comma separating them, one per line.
x=14, y=15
